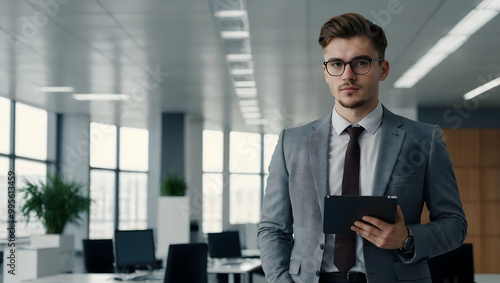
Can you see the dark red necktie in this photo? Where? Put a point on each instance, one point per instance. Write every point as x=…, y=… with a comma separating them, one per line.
x=345, y=244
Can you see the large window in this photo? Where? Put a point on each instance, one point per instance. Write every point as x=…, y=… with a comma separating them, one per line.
x=4, y=125
x=102, y=209
x=133, y=201
x=30, y=158
x=31, y=132
x=4, y=169
x=128, y=209
x=213, y=142
x=243, y=181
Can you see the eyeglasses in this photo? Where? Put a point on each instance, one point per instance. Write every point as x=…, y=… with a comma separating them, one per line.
x=358, y=66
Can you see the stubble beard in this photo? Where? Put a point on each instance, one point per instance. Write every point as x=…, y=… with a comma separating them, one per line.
x=352, y=105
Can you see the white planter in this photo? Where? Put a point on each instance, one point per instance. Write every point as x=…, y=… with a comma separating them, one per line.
x=173, y=223
x=65, y=243
x=31, y=263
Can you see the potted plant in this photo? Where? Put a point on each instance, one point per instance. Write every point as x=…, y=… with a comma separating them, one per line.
x=55, y=203
x=173, y=185
x=173, y=213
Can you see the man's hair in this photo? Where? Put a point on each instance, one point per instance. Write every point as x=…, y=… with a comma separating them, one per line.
x=350, y=25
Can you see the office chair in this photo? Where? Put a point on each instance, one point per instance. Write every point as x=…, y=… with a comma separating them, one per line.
x=456, y=266
x=98, y=255
x=187, y=263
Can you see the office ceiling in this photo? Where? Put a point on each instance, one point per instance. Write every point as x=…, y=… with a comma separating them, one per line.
x=110, y=46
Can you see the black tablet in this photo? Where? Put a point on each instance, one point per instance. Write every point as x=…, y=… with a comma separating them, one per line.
x=342, y=211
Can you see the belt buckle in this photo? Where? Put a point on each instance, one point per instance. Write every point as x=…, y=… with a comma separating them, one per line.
x=348, y=277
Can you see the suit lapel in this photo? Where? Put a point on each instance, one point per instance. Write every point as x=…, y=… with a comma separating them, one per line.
x=391, y=140
x=319, y=141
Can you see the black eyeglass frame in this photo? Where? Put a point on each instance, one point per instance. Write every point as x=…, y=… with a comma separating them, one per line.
x=345, y=63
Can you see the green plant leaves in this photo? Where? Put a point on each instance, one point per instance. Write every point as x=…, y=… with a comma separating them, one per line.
x=173, y=185
x=55, y=203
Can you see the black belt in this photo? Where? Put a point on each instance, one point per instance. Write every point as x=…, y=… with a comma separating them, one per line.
x=336, y=277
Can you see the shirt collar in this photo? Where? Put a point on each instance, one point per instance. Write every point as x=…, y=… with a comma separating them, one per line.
x=371, y=122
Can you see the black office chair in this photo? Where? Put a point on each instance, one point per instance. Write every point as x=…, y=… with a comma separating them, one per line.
x=456, y=266
x=98, y=255
x=187, y=263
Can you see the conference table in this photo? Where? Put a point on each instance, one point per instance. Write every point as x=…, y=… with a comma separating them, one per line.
x=234, y=268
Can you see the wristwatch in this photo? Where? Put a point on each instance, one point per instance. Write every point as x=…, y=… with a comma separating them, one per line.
x=408, y=242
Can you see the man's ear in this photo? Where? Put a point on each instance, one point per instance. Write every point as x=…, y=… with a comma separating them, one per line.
x=384, y=70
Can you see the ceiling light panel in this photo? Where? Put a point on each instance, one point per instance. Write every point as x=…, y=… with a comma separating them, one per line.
x=100, y=96
x=456, y=37
x=482, y=89
x=241, y=71
x=492, y=5
x=55, y=89
x=235, y=34
x=238, y=57
x=248, y=102
x=230, y=14
x=244, y=84
x=472, y=22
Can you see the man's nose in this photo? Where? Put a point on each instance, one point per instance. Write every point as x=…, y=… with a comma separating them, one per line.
x=348, y=74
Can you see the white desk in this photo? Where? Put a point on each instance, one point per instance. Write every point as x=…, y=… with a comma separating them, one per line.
x=105, y=278
x=244, y=268
x=86, y=278
x=487, y=278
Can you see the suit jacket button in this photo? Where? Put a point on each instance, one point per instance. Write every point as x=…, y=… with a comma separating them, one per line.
x=317, y=273
x=321, y=246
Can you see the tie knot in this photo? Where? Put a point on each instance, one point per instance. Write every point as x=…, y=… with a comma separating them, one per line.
x=354, y=132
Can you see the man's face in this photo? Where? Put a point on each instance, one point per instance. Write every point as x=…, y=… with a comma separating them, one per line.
x=349, y=89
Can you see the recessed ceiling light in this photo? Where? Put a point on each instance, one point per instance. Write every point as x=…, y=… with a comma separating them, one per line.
x=246, y=92
x=458, y=35
x=55, y=89
x=100, y=96
x=230, y=14
x=238, y=57
x=482, y=89
x=235, y=34
x=244, y=84
x=489, y=5
x=241, y=71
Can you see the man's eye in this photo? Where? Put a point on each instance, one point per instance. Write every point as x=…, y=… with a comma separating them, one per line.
x=336, y=64
x=361, y=63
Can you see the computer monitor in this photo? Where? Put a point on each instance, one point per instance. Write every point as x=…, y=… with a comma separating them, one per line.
x=224, y=245
x=456, y=266
x=134, y=248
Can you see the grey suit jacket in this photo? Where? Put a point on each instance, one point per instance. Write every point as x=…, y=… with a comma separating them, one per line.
x=413, y=164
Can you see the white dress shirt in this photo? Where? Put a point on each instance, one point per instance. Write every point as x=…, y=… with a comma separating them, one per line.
x=369, y=141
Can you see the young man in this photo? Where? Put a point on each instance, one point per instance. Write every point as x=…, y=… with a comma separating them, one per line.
x=395, y=157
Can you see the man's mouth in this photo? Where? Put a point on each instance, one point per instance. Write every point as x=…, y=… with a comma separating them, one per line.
x=349, y=89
